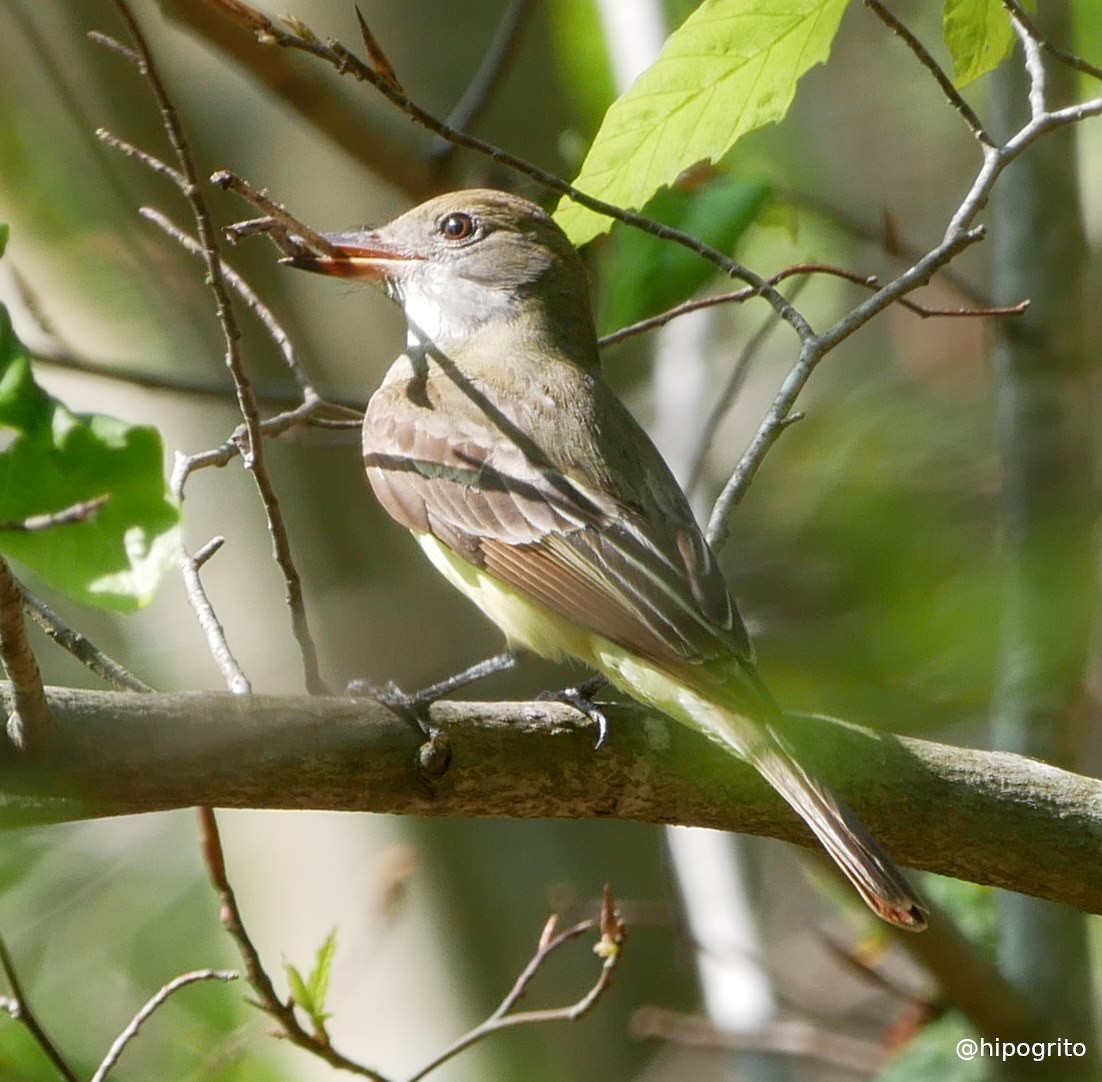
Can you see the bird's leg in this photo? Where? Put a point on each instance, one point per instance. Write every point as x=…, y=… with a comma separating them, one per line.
x=580, y=696
x=414, y=707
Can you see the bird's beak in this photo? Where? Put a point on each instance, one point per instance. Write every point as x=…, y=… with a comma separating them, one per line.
x=357, y=254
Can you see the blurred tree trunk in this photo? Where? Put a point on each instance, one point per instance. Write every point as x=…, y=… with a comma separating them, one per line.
x=1043, y=372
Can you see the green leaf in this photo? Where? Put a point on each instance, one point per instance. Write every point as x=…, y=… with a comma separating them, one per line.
x=644, y=275
x=979, y=37
x=52, y=459
x=311, y=993
x=319, y=979
x=731, y=68
x=299, y=992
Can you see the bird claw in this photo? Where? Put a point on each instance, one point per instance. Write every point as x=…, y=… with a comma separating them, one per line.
x=412, y=708
x=580, y=698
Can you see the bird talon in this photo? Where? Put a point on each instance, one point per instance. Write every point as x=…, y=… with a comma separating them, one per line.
x=580, y=698
x=411, y=708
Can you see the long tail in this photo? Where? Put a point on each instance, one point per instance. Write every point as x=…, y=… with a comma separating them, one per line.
x=859, y=856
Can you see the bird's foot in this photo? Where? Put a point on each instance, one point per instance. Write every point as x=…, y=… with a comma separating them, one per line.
x=581, y=698
x=414, y=707
x=434, y=755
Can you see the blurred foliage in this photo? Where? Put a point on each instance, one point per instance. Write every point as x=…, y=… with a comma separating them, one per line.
x=864, y=555
x=642, y=275
x=54, y=460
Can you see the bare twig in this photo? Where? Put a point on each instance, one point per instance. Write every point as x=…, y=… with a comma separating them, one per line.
x=1062, y=55
x=487, y=79
x=866, y=281
x=788, y=1038
x=80, y=647
x=317, y=413
x=345, y=62
x=150, y=161
x=84, y=511
x=135, y=1024
x=174, y=383
x=275, y=211
x=960, y=234
x=735, y=379
x=29, y=723
x=267, y=999
x=780, y=414
x=18, y=1007
x=219, y=648
x=934, y=68
x=253, y=454
x=246, y=293
x=608, y=947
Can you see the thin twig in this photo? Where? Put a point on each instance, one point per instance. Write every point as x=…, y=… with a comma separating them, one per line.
x=792, y=1038
x=317, y=413
x=1035, y=69
x=173, y=383
x=29, y=724
x=276, y=211
x=246, y=293
x=487, y=79
x=735, y=379
x=960, y=234
x=966, y=111
x=150, y=161
x=780, y=414
x=1034, y=32
x=271, y=32
x=219, y=648
x=267, y=999
x=80, y=646
x=84, y=511
x=866, y=281
x=135, y=1024
x=253, y=456
x=20, y=1010
x=609, y=947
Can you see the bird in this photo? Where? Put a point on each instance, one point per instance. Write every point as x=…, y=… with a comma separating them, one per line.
x=495, y=439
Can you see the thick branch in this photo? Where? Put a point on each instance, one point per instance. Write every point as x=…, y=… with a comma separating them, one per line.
x=991, y=817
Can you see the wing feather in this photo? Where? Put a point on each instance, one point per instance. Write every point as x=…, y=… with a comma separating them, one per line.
x=631, y=566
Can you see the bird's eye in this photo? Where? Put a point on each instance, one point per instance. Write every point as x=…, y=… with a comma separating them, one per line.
x=456, y=226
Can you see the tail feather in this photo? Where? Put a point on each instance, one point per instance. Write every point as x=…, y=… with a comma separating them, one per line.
x=858, y=855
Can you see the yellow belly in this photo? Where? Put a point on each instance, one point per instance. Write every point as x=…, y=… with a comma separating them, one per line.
x=529, y=624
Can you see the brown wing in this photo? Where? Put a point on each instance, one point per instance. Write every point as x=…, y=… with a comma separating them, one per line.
x=630, y=565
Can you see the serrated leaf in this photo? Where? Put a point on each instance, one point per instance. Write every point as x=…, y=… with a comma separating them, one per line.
x=731, y=68
x=53, y=459
x=978, y=35
x=645, y=276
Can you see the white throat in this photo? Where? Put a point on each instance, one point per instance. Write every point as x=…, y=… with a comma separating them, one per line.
x=446, y=309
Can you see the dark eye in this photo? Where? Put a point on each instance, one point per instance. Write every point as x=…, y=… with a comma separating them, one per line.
x=457, y=226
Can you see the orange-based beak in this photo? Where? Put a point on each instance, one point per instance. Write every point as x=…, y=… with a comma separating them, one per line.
x=357, y=254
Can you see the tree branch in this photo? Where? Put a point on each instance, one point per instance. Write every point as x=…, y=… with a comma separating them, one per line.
x=991, y=817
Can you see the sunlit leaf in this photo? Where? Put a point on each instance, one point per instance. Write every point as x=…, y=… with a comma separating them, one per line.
x=979, y=37
x=52, y=459
x=731, y=68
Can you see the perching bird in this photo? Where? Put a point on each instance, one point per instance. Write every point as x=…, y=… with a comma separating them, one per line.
x=496, y=441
